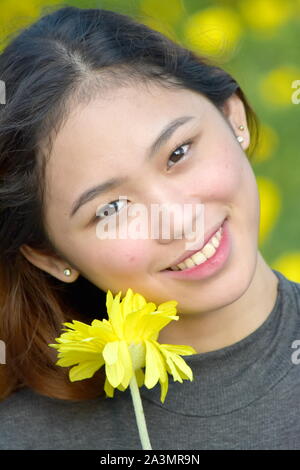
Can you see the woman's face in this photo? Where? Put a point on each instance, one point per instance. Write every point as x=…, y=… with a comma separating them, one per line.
x=110, y=138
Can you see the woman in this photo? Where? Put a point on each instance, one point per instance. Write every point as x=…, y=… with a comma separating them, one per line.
x=88, y=94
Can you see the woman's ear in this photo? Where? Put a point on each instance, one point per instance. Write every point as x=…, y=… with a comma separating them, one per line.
x=235, y=114
x=49, y=263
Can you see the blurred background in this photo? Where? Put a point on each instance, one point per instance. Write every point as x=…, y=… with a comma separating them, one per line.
x=258, y=42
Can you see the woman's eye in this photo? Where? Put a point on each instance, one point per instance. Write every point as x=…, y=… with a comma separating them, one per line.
x=179, y=156
x=106, y=211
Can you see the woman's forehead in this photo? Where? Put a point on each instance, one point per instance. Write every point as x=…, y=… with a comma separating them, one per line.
x=129, y=114
x=106, y=135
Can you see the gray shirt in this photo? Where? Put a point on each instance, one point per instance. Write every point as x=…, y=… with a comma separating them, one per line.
x=244, y=396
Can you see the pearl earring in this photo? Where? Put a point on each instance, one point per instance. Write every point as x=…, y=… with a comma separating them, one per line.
x=67, y=272
x=240, y=139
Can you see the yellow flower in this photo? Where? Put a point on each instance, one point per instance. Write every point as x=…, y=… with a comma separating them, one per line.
x=125, y=344
x=288, y=264
x=266, y=14
x=276, y=86
x=214, y=31
x=270, y=206
x=268, y=141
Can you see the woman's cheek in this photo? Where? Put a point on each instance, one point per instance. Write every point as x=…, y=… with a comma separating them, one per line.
x=219, y=181
x=122, y=256
x=134, y=255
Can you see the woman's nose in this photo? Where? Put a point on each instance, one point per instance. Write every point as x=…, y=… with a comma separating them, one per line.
x=170, y=223
x=180, y=221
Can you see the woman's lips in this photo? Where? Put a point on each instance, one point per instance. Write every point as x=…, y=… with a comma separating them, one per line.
x=212, y=265
x=190, y=253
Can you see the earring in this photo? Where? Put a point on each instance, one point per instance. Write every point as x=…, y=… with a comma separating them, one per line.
x=240, y=139
x=67, y=272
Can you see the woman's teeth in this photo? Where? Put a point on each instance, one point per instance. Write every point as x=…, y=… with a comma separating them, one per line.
x=201, y=256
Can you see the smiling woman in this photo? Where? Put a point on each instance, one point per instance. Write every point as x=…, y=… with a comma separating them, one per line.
x=98, y=106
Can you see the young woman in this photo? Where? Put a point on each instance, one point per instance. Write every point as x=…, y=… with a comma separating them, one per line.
x=93, y=96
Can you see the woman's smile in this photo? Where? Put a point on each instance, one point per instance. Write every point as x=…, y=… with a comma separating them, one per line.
x=213, y=263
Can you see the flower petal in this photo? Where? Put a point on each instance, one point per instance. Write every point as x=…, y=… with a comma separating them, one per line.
x=138, y=302
x=164, y=384
x=183, y=350
x=109, y=301
x=126, y=359
x=178, y=367
x=109, y=389
x=153, y=323
x=110, y=352
x=116, y=317
x=161, y=366
x=184, y=370
x=79, y=326
x=104, y=332
x=66, y=359
x=126, y=304
x=114, y=373
x=85, y=370
x=155, y=365
x=92, y=346
x=168, y=307
x=134, y=323
x=114, y=367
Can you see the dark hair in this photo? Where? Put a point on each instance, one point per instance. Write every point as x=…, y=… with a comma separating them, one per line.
x=46, y=67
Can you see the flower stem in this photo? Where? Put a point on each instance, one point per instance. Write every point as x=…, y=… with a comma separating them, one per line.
x=139, y=414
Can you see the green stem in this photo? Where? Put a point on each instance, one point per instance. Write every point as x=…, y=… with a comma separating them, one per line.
x=139, y=414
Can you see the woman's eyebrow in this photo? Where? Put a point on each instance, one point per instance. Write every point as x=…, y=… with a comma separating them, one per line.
x=112, y=183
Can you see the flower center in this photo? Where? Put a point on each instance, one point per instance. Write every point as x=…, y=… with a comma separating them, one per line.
x=137, y=352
